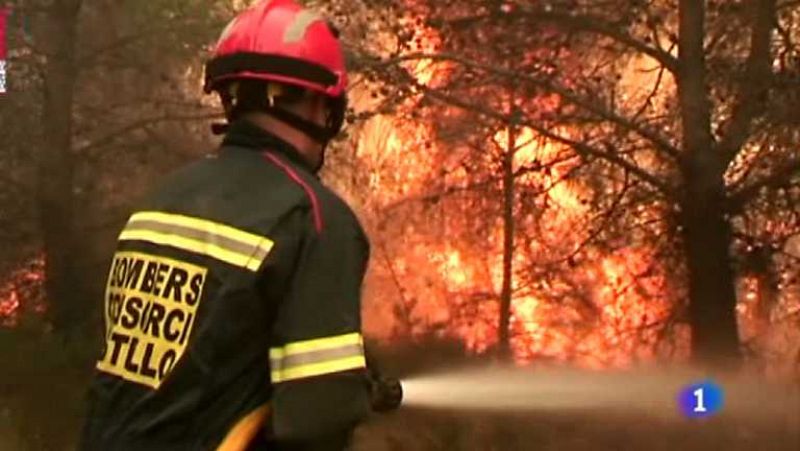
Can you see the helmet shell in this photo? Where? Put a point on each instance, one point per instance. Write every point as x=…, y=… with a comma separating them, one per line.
x=280, y=41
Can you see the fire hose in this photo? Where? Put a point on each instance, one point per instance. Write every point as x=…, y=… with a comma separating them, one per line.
x=385, y=393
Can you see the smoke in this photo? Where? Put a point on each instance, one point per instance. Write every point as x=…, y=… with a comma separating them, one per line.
x=645, y=392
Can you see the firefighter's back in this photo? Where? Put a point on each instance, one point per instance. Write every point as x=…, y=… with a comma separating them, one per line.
x=186, y=311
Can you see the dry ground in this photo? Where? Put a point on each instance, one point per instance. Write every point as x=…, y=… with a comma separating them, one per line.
x=428, y=431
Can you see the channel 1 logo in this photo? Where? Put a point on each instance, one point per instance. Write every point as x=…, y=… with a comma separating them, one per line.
x=701, y=399
x=4, y=13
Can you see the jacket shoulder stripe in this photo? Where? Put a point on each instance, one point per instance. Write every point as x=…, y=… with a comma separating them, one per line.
x=219, y=241
x=191, y=222
x=312, y=196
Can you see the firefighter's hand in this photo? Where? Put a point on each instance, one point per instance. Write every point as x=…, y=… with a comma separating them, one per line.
x=386, y=394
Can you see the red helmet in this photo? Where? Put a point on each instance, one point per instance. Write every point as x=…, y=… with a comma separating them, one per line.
x=279, y=41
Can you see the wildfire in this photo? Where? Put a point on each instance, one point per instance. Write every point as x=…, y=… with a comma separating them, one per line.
x=608, y=309
x=597, y=306
x=457, y=284
x=398, y=176
x=22, y=290
x=424, y=40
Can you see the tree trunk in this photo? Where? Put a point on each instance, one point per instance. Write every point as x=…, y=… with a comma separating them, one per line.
x=56, y=194
x=767, y=297
x=712, y=291
x=706, y=230
x=504, y=332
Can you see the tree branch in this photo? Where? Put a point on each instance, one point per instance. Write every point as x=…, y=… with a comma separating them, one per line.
x=579, y=147
x=110, y=137
x=605, y=219
x=779, y=178
x=648, y=101
x=750, y=101
x=660, y=142
x=87, y=60
x=590, y=24
x=404, y=303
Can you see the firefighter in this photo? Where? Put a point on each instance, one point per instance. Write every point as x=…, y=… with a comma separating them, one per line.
x=232, y=305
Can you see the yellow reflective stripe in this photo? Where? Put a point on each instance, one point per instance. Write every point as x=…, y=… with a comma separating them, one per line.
x=213, y=228
x=316, y=357
x=318, y=369
x=317, y=344
x=191, y=245
x=219, y=241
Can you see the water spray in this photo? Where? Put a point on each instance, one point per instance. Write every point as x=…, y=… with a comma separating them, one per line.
x=644, y=392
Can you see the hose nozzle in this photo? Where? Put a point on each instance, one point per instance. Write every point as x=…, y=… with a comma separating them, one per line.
x=386, y=394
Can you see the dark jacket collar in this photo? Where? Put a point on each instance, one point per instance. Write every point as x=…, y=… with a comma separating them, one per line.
x=243, y=133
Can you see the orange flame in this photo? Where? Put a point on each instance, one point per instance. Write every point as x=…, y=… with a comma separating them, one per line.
x=454, y=287
x=23, y=289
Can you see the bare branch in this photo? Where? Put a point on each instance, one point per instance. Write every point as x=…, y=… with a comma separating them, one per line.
x=779, y=178
x=585, y=150
x=755, y=83
x=649, y=99
x=437, y=195
x=605, y=219
x=605, y=113
x=590, y=24
x=404, y=309
x=141, y=124
x=579, y=147
x=87, y=61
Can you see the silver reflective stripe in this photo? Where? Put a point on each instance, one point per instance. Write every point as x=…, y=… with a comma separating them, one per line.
x=297, y=29
x=201, y=236
x=221, y=241
x=316, y=357
x=306, y=358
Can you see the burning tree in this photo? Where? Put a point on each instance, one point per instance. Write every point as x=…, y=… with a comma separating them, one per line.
x=556, y=166
x=673, y=115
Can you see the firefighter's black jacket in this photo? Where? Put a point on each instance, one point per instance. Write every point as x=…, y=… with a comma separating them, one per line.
x=236, y=285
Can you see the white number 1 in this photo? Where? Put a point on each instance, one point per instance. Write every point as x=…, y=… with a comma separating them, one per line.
x=700, y=407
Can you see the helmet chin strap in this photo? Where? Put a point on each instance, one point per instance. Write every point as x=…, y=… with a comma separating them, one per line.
x=318, y=133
